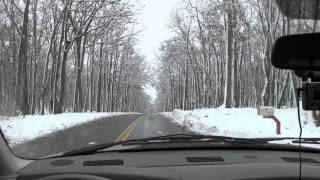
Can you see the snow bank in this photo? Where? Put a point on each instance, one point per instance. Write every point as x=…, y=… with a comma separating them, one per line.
x=243, y=122
x=20, y=129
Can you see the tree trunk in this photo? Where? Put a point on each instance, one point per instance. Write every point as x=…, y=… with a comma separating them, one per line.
x=22, y=79
x=229, y=52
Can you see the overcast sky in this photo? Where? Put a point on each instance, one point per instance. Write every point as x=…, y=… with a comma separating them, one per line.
x=154, y=19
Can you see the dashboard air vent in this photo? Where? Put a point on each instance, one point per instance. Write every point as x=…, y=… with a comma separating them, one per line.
x=296, y=159
x=116, y=162
x=205, y=159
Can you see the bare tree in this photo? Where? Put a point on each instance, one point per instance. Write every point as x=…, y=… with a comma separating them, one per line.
x=72, y=56
x=220, y=55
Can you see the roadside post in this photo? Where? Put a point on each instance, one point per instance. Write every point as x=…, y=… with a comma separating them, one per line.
x=268, y=112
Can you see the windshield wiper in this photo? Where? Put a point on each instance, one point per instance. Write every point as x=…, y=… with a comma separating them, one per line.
x=291, y=139
x=183, y=138
x=159, y=139
x=189, y=138
x=307, y=141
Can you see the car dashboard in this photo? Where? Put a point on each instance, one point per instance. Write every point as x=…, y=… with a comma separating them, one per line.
x=175, y=165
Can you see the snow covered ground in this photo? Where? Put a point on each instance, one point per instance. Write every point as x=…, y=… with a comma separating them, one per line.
x=20, y=129
x=243, y=122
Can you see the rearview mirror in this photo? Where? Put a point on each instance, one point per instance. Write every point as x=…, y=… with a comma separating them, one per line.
x=300, y=9
x=297, y=52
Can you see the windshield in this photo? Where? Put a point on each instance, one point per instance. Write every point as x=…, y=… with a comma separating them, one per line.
x=79, y=73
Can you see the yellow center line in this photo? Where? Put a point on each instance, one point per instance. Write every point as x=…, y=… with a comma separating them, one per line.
x=125, y=134
x=125, y=137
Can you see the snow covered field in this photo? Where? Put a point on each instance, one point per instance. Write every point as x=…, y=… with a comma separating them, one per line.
x=20, y=129
x=244, y=122
x=241, y=122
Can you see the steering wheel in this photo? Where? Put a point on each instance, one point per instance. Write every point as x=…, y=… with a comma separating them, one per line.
x=73, y=177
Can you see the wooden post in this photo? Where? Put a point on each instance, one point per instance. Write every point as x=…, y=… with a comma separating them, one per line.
x=268, y=112
x=278, y=124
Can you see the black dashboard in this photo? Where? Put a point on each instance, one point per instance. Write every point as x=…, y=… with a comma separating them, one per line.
x=175, y=165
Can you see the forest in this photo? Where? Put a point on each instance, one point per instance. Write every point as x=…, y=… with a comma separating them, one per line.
x=81, y=56
x=70, y=56
x=220, y=55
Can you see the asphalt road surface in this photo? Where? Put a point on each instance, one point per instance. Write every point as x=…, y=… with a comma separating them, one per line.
x=110, y=129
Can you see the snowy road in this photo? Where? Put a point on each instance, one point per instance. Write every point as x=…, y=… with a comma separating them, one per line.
x=101, y=131
x=155, y=125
